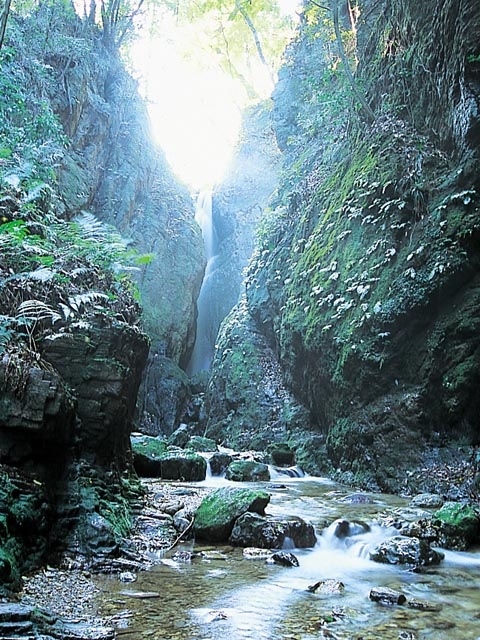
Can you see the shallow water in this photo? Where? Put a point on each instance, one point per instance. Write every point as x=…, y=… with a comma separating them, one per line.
x=222, y=595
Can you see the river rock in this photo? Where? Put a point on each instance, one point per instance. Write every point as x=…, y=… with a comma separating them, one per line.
x=251, y=529
x=346, y=528
x=152, y=458
x=458, y=525
x=20, y=621
x=427, y=501
x=247, y=471
x=384, y=595
x=327, y=587
x=422, y=605
x=219, y=463
x=216, y=515
x=182, y=520
x=252, y=553
x=281, y=454
x=407, y=551
x=285, y=559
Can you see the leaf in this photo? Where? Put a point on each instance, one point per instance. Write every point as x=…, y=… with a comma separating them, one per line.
x=44, y=274
x=36, y=310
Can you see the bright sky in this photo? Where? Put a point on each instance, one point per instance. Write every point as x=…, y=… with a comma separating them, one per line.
x=195, y=114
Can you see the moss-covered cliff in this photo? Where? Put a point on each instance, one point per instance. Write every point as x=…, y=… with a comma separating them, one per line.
x=365, y=281
x=91, y=222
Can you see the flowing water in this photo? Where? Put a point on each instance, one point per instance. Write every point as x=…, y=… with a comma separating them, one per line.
x=203, y=349
x=221, y=595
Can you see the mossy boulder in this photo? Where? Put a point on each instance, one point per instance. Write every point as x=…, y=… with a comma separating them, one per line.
x=281, y=454
x=458, y=524
x=253, y=530
x=200, y=443
x=216, y=515
x=247, y=471
x=152, y=458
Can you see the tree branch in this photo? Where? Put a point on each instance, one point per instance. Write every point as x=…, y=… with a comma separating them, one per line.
x=251, y=26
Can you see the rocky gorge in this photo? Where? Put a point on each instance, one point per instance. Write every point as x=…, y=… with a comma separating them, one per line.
x=349, y=345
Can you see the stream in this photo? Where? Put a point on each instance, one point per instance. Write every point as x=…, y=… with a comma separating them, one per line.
x=223, y=595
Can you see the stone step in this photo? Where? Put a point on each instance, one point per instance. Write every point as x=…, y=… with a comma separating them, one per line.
x=13, y=612
x=19, y=628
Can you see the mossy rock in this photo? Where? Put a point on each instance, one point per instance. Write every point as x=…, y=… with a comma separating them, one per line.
x=153, y=459
x=216, y=515
x=247, y=471
x=281, y=454
x=459, y=525
x=199, y=443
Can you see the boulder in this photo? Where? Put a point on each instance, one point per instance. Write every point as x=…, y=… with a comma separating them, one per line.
x=247, y=471
x=216, y=515
x=219, y=463
x=152, y=458
x=384, y=595
x=285, y=559
x=345, y=528
x=181, y=436
x=147, y=454
x=281, y=454
x=407, y=551
x=253, y=530
x=328, y=587
x=427, y=501
x=458, y=525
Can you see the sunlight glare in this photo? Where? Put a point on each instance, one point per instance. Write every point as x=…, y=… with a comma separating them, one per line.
x=194, y=113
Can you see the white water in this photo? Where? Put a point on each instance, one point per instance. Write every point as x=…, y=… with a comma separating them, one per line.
x=224, y=595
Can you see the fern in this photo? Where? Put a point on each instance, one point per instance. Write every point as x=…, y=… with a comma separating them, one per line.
x=36, y=310
x=81, y=300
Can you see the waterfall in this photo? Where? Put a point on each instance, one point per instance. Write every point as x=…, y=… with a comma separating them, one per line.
x=204, y=347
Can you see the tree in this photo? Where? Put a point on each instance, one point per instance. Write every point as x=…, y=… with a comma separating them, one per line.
x=3, y=20
x=334, y=9
x=117, y=20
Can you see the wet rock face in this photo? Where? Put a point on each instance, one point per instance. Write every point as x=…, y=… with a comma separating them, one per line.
x=104, y=366
x=164, y=393
x=365, y=280
x=38, y=418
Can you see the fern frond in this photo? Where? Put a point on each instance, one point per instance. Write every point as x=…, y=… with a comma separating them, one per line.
x=36, y=310
x=84, y=299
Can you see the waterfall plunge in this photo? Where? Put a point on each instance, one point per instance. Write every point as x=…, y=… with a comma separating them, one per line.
x=204, y=347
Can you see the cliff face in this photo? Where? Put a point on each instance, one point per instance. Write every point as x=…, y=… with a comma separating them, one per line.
x=83, y=196
x=365, y=281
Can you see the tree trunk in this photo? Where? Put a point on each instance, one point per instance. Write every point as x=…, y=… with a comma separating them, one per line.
x=3, y=20
x=366, y=107
x=251, y=26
